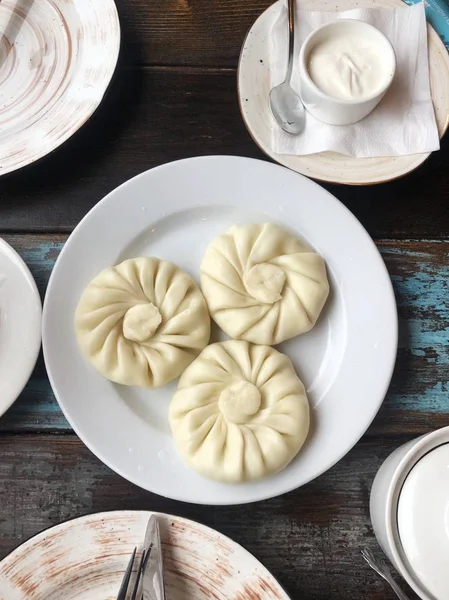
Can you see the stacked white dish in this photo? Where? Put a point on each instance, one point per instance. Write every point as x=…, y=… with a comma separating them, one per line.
x=409, y=511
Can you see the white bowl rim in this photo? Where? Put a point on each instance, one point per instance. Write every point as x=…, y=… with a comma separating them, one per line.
x=424, y=444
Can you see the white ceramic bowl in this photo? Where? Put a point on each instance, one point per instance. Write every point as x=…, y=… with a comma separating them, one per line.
x=384, y=500
x=335, y=111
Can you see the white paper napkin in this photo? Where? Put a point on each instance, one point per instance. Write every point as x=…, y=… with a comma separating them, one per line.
x=403, y=123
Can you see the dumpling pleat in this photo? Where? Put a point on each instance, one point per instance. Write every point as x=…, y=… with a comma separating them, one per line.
x=181, y=333
x=260, y=406
x=249, y=276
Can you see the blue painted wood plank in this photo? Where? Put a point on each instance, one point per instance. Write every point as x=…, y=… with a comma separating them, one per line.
x=419, y=390
x=420, y=275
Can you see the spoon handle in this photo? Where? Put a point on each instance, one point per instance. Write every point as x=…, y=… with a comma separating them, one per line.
x=291, y=37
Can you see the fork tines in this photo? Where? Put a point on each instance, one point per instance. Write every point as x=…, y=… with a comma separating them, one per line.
x=127, y=577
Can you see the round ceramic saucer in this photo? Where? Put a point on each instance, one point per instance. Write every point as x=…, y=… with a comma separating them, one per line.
x=254, y=83
x=20, y=325
x=87, y=557
x=56, y=61
x=174, y=212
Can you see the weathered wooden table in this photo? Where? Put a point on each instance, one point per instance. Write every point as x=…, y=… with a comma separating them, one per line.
x=174, y=96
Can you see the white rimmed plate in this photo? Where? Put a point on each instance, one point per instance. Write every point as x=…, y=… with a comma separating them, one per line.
x=56, y=61
x=87, y=557
x=173, y=212
x=20, y=325
x=253, y=92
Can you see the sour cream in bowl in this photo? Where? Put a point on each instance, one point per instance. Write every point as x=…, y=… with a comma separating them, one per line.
x=345, y=69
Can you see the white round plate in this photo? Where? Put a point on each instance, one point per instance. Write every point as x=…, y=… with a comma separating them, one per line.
x=253, y=91
x=86, y=559
x=20, y=325
x=56, y=61
x=173, y=212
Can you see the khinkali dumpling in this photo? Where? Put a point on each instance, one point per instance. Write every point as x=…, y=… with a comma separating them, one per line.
x=240, y=413
x=142, y=322
x=262, y=284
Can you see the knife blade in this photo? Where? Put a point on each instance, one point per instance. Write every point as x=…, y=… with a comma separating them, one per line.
x=153, y=569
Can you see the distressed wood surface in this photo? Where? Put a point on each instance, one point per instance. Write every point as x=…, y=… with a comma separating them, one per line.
x=174, y=96
x=310, y=539
x=154, y=115
x=418, y=397
x=187, y=32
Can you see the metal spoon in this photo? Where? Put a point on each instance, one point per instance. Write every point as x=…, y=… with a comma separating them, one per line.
x=381, y=567
x=285, y=104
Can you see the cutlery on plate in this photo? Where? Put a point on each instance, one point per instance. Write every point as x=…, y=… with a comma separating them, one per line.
x=286, y=105
x=123, y=592
x=153, y=570
x=150, y=572
x=382, y=568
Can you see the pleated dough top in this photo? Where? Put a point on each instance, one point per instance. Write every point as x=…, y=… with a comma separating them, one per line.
x=262, y=284
x=142, y=322
x=240, y=413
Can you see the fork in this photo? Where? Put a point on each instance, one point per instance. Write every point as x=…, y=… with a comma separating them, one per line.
x=381, y=567
x=123, y=591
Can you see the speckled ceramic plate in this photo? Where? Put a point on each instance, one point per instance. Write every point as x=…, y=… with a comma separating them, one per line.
x=56, y=61
x=20, y=325
x=254, y=82
x=85, y=559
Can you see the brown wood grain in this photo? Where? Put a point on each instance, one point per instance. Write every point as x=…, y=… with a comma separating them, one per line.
x=187, y=32
x=152, y=116
x=310, y=539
